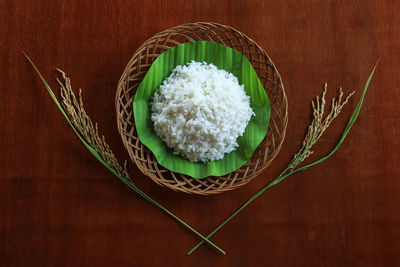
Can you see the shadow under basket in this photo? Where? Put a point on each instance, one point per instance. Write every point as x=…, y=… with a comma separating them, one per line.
x=137, y=68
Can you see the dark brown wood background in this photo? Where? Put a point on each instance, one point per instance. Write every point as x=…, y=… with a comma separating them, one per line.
x=60, y=207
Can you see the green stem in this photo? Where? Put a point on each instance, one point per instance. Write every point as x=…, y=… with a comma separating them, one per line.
x=282, y=176
x=123, y=179
x=155, y=203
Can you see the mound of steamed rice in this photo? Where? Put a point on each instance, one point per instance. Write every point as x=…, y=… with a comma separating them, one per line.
x=199, y=111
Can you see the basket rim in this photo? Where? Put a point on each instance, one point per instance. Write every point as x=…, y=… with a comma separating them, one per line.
x=120, y=124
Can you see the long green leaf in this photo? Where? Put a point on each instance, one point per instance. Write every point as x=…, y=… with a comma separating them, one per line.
x=283, y=176
x=123, y=179
x=224, y=58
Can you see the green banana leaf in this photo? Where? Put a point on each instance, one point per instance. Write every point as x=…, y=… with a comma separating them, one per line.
x=224, y=58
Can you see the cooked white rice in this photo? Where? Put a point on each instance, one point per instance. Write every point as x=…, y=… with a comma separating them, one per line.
x=200, y=111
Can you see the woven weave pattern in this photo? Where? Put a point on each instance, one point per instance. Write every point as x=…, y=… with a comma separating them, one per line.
x=137, y=69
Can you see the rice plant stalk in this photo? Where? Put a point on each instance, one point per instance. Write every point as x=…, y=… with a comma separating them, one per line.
x=317, y=127
x=88, y=133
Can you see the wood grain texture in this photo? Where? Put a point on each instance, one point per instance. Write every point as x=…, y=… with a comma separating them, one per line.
x=59, y=207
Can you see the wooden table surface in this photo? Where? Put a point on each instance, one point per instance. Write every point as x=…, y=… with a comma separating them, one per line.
x=60, y=207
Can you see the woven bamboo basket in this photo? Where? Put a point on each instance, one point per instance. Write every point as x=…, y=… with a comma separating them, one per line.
x=137, y=69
